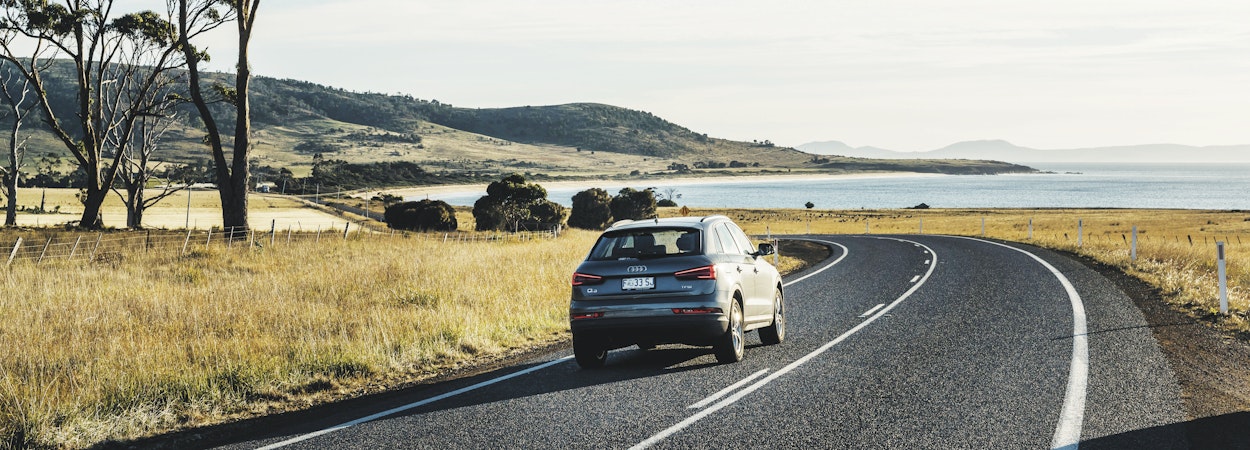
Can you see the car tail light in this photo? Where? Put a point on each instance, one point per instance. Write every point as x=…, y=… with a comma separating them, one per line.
x=585, y=278
x=698, y=273
x=696, y=310
x=583, y=316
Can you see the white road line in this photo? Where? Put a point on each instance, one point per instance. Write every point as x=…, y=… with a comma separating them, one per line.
x=1072, y=416
x=827, y=266
x=808, y=357
x=726, y=391
x=915, y=279
x=409, y=406
x=879, y=306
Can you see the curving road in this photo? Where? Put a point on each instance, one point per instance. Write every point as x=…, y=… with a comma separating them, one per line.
x=894, y=342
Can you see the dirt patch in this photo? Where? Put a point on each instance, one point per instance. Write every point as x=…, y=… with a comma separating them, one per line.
x=1213, y=368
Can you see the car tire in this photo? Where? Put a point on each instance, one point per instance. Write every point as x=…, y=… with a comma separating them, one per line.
x=589, y=353
x=775, y=333
x=733, y=343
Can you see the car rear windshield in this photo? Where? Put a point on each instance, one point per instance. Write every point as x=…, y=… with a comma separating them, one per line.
x=647, y=243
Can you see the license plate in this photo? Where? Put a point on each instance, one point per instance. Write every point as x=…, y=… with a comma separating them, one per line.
x=637, y=284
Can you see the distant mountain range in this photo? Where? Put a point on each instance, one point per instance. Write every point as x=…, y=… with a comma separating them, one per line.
x=999, y=150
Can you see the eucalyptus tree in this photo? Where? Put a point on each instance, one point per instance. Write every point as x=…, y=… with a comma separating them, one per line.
x=145, y=83
x=15, y=89
x=88, y=34
x=195, y=18
x=139, y=166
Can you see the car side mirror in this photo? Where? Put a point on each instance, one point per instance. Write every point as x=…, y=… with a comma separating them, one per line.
x=766, y=249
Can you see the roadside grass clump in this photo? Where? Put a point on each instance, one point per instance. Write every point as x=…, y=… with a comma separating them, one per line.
x=150, y=342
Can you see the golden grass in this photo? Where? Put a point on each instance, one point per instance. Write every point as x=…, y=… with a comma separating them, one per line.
x=139, y=343
x=126, y=348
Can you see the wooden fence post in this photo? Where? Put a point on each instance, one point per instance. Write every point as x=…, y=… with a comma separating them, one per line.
x=13, y=254
x=1133, y=251
x=1221, y=268
x=74, y=251
x=44, y=252
x=97, y=244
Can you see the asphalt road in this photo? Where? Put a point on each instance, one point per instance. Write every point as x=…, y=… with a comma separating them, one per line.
x=895, y=342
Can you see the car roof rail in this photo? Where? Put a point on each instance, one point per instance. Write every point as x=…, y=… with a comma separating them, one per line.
x=621, y=222
x=714, y=216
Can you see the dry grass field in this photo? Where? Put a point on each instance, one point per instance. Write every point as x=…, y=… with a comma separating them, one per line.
x=172, y=212
x=136, y=342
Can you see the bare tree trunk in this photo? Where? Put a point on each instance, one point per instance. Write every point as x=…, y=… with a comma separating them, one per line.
x=234, y=190
x=11, y=174
x=92, y=201
x=134, y=207
x=10, y=212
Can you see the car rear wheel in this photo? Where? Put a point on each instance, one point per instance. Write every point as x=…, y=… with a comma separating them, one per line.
x=590, y=354
x=775, y=333
x=733, y=343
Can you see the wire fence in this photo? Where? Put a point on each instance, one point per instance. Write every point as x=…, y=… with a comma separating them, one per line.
x=47, y=245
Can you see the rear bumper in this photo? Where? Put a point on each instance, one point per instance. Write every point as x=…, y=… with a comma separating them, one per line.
x=689, y=329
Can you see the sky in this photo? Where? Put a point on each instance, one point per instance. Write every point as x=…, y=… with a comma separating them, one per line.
x=908, y=75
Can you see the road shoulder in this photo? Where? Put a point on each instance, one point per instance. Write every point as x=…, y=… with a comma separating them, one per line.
x=1210, y=366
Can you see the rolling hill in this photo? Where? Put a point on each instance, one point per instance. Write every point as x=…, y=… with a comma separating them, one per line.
x=298, y=124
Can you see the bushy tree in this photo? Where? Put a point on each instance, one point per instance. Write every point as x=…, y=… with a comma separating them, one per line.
x=511, y=202
x=591, y=209
x=633, y=204
x=545, y=213
x=425, y=215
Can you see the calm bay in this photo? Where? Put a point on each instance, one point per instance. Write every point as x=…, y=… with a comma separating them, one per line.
x=1084, y=185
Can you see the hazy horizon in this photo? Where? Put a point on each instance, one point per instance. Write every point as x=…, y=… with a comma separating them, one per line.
x=903, y=75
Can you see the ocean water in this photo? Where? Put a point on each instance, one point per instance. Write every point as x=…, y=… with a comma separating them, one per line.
x=1085, y=185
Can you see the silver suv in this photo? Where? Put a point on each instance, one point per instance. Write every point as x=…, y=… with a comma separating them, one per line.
x=688, y=280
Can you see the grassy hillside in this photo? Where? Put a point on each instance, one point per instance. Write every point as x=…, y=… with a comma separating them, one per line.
x=297, y=121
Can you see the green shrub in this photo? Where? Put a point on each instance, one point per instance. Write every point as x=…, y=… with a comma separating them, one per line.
x=512, y=202
x=633, y=204
x=591, y=209
x=425, y=215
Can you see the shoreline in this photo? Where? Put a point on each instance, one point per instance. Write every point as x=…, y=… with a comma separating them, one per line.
x=613, y=185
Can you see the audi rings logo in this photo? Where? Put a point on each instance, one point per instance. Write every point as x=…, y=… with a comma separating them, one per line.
x=636, y=269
